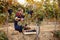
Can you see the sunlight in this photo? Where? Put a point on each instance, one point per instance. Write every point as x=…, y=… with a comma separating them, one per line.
x=24, y=1
x=37, y=0
x=21, y=1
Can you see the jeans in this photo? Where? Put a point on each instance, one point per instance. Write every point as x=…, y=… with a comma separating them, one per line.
x=18, y=28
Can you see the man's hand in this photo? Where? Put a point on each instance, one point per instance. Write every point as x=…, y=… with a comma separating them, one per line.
x=17, y=18
x=22, y=19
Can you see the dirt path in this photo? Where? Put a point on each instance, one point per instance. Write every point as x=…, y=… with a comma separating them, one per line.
x=45, y=32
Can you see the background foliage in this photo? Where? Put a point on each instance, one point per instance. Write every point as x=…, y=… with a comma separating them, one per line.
x=45, y=8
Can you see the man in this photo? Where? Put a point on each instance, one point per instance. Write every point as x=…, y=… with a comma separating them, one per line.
x=18, y=17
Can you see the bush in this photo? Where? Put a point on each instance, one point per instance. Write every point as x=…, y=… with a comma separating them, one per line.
x=57, y=34
x=2, y=18
x=3, y=36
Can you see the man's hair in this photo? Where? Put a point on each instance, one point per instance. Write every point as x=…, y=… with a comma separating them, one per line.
x=20, y=9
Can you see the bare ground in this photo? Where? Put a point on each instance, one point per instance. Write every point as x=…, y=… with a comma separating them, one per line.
x=45, y=32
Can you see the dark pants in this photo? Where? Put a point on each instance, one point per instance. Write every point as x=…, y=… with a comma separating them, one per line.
x=18, y=28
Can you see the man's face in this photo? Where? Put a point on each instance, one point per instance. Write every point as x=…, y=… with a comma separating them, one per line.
x=21, y=11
